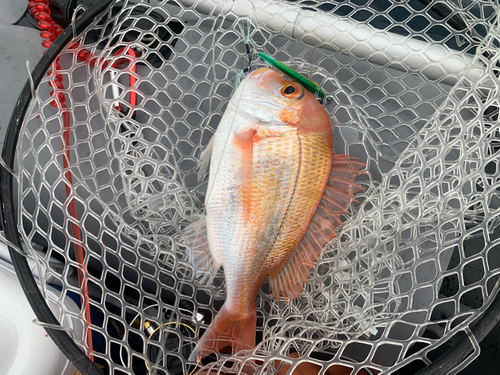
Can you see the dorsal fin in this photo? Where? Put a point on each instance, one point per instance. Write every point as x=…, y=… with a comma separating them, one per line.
x=205, y=158
x=338, y=195
x=204, y=263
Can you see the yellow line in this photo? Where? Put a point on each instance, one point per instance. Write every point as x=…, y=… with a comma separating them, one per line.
x=185, y=325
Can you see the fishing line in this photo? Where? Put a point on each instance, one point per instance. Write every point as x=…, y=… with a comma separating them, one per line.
x=165, y=339
x=16, y=248
x=56, y=327
x=231, y=132
x=8, y=169
x=209, y=190
x=74, y=16
x=30, y=78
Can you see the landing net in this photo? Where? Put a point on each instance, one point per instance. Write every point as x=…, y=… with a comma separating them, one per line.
x=416, y=95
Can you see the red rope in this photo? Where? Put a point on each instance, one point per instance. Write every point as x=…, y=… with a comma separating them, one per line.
x=40, y=11
x=75, y=230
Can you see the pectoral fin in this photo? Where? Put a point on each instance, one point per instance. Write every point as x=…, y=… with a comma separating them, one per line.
x=205, y=158
x=245, y=141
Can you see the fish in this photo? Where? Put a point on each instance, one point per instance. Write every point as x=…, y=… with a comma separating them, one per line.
x=275, y=194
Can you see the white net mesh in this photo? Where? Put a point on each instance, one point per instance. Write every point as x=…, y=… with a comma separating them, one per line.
x=416, y=99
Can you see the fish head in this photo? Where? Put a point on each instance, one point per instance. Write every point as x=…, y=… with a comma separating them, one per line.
x=275, y=98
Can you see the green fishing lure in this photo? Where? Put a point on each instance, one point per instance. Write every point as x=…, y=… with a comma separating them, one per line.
x=309, y=85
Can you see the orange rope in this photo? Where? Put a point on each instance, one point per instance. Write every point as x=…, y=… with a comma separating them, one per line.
x=50, y=30
x=40, y=11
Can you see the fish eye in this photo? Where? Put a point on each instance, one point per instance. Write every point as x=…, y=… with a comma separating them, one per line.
x=292, y=91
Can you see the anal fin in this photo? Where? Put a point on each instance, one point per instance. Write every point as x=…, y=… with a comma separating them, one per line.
x=338, y=195
x=196, y=241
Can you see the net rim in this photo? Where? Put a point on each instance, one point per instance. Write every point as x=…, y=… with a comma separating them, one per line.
x=463, y=349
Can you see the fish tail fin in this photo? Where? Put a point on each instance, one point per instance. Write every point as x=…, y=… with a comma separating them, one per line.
x=228, y=329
